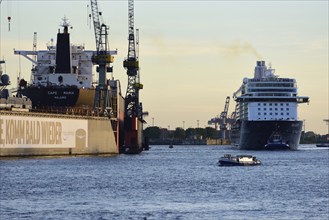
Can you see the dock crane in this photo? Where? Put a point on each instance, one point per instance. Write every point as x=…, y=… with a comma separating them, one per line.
x=223, y=115
x=133, y=108
x=103, y=58
x=222, y=119
x=34, y=66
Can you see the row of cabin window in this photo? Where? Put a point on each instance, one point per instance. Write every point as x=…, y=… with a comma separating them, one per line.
x=275, y=104
x=272, y=113
x=276, y=109
x=275, y=118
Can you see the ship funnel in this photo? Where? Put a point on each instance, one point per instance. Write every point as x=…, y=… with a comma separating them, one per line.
x=260, y=70
x=63, y=52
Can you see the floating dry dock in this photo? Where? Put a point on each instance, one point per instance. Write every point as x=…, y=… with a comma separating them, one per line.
x=40, y=134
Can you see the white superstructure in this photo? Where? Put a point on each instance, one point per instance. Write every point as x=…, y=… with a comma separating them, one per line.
x=266, y=97
x=44, y=73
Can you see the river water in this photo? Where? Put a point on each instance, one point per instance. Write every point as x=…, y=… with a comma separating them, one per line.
x=179, y=183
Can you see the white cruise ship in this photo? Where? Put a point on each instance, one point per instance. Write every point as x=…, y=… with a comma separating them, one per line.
x=267, y=116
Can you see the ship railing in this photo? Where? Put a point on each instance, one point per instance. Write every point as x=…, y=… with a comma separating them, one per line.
x=11, y=103
x=271, y=79
x=83, y=111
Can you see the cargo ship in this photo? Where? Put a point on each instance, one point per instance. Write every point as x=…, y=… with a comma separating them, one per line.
x=55, y=113
x=266, y=112
x=61, y=75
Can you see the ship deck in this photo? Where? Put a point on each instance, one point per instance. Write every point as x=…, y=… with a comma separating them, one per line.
x=67, y=115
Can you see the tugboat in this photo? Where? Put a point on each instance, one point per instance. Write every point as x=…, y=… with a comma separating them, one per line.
x=275, y=142
x=239, y=160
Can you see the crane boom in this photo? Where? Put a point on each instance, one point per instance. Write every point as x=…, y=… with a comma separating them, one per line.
x=223, y=115
x=97, y=24
x=34, y=47
x=102, y=58
x=131, y=30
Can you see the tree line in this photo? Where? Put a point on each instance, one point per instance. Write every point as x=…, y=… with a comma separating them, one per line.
x=157, y=135
x=179, y=135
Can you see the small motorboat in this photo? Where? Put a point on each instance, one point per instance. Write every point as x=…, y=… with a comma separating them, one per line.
x=239, y=160
x=171, y=146
x=275, y=142
x=323, y=145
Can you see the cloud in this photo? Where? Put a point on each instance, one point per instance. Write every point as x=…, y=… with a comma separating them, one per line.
x=237, y=48
x=319, y=44
x=159, y=45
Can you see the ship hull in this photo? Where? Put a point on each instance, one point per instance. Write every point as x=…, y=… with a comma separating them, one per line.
x=254, y=135
x=52, y=95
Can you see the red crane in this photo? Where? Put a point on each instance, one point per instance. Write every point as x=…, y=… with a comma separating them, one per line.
x=133, y=108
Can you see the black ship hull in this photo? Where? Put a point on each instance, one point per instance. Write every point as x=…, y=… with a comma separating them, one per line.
x=52, y=95
x=255, y=135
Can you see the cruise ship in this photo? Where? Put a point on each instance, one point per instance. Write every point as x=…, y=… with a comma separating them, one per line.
x=266, y=112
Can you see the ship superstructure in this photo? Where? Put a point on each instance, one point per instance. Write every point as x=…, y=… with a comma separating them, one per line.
x=60, y=73
x=267, y=106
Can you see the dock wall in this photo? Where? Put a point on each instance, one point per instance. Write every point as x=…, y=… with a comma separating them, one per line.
x=218, y=142
x=37, y=134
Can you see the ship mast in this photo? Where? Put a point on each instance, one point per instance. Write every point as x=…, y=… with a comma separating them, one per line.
x=1, y=61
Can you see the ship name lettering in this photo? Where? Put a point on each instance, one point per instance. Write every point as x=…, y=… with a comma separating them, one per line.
x=59, y=97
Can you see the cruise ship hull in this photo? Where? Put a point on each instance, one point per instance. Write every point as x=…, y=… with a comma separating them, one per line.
x=254, y=135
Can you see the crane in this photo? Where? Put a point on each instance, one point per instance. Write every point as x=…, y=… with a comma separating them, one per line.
x=223, y=115
x=34, y=68
x=222, y=119
x=133, y=108
x=103, y=57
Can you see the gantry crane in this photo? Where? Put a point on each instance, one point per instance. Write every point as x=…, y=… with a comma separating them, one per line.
x=133, y=108
x=223, y=115
x=222, y=120
x=103, y=58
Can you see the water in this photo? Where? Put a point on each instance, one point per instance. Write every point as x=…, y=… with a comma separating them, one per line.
x=179, y=183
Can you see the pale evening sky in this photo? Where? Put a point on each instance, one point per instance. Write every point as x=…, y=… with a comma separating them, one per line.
x=192, y=53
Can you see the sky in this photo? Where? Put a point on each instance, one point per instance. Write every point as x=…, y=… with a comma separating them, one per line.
x=193, y=54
